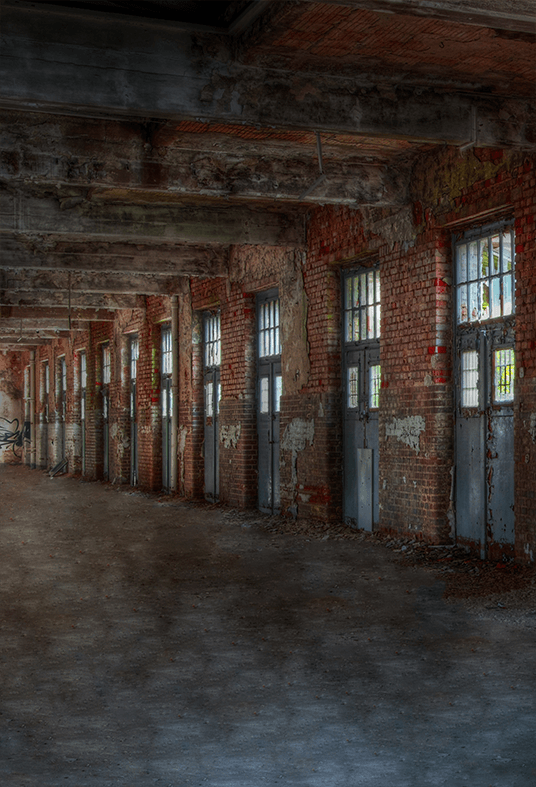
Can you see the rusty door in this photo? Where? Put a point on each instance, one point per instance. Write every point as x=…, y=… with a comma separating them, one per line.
x=485, y=373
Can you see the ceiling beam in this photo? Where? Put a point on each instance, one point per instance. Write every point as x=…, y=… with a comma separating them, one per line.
x=118, y=161
x=29, y=251
x=30, y=313
x=77, y=213
x=12, y=326
x=65, y=68
x=498, y=15
x=120, y=283
x=29, y=298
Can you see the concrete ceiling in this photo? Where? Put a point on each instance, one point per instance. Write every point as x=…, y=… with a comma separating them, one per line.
x=140, y=140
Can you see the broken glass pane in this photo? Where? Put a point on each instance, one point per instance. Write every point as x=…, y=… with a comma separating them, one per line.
x=496, y=254
x=507, y=251
x=484, y=293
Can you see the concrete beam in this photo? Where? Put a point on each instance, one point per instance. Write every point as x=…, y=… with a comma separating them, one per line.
x=130, y=284
x=15, y=345
x=118, y=161
x=72, y=68
x=29, y=298
x=28, y=251
x=12, y=326
x=79, y=214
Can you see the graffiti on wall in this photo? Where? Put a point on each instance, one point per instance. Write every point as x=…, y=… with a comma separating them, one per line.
x=12, y=435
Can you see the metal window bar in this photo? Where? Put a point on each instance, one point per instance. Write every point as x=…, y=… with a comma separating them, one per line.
x=362, y=306
x=134, y=357
x=167, y=352
x=504, y=375
x=375, y=381
x=212, y=340
x=469, y=392
x=485, y=276
x=269, y=338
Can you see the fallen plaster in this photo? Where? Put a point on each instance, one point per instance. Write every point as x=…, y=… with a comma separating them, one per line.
x=407, y=430
x=230, y=435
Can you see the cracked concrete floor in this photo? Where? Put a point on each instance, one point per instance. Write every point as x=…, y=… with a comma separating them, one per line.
x=147, y=642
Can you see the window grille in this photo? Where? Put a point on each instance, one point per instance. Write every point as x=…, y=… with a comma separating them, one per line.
x=485, y=277
x=106, y=365
x=470, y=378
x=209, y=399
x=362, y=311
x=278, y=390
x=134, y=356
x=212, y=340
x=504, y=373
x=269, y=341
x=375, y=379
x=264, y=404
x=167, y=352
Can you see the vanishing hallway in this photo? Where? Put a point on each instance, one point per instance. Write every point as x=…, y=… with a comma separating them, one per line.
x=152, y=642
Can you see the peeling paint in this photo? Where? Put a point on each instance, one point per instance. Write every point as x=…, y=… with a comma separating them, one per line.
x=297, y=434
x=532, y=427
x=230, y=435
x=407, y=430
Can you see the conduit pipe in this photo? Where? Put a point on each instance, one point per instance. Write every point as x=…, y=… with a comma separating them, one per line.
x=174, y=390
x=33, y=447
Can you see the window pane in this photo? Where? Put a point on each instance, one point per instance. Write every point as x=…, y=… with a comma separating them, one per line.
x=353, y=387
x=463, y=312
x=348, y=293
x=374, y=388
x=462, y=263
x=378, y=321
x=470, y=378
x=496, y=254
x=264, y=402
x=278, y=388
x=496, y=297
x=348, y=333
x=484, y=300
x=473, y=261
x=370, y=321
x=209, y=400
x=507, y=251
x=484, y=257
x=508, y=304
x=503, y=387
x=473, y=302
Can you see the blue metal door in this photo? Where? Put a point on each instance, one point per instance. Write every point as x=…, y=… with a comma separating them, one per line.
x=485, y=374
x=212, y=393
x=361, y=392
x=134, y=356
x=269, y=390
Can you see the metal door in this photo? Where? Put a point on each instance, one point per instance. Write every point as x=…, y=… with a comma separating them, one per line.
x=485, y=367
x=106, y=379
x=134, y=356
x=45, y=414
x=83, y=402
x=62, y=414
x=167, y=406
x=269, y=390
x=212, y=389
x=361, y=391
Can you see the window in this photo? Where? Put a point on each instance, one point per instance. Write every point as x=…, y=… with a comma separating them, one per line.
x=212, y=340
x=503, y=377
x=63, y=375
x=106, y=365
x=485, y=276
x=362, y=317
x=375, y=379
x=134, y=357
x=269, y=342
x=470, y=378
x=167, y=352
x=83, y=371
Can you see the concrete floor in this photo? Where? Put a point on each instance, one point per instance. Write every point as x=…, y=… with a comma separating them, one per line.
x=146, y=642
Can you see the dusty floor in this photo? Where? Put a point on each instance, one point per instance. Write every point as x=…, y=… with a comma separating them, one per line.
x=146, y=641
